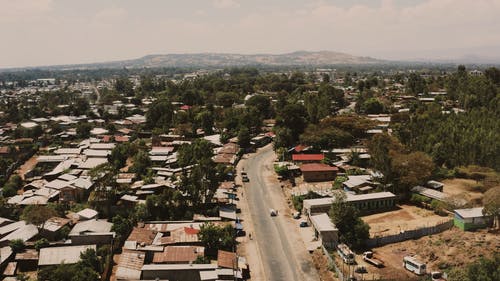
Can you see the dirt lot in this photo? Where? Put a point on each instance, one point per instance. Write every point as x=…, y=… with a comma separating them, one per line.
x=406, y=217
x=450, y=248
x=463, y=188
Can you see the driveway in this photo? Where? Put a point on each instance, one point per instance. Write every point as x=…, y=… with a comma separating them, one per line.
x=282, y=250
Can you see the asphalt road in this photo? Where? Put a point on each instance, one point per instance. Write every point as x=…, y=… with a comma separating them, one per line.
x=283, y=253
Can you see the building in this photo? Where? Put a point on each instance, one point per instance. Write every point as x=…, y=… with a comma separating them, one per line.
x=92, y=232
x=318, y=172
x=177, y=272
x=308, y=158
x=470, y=219
x=129, y=265
x=57, y=255
x=325, y=230
x=179, y=254
x=364, y=202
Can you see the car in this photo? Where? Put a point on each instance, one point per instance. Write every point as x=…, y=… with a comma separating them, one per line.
x=360, y=269
x=273, y=212
x=245, y=179
x=304, y=224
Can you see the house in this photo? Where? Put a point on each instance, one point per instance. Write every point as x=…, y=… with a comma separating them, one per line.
x=364, y=202
x=92, y=232
x=87, y=214
x=57, y=255
x=357, y=182
x=308, y=158
x=129, y=265
x=318, y=172
x=177, y=272
x=179, y=254
x=229, y=260
x=470, y=219
x=25, y=233
x=52, y=227
x=325, y=230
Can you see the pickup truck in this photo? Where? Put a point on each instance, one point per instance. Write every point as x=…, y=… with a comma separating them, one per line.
x=369, y=258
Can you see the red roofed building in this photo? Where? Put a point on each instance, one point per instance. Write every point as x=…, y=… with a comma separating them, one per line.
x=318, y=172
x=308, y=157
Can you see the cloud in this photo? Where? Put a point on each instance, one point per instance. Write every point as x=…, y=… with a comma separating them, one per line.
x=225, y=4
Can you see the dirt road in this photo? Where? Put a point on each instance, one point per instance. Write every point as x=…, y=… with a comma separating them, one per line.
x=282, y=251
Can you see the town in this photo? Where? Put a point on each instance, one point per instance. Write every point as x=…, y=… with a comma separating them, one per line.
x=247, y=173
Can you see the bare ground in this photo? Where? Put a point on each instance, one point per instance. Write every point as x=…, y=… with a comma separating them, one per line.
x=451, y=248
x=406, y=217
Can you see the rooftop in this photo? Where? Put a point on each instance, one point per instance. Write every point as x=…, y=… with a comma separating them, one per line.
x=317, y=167
x=322, y=222
x=58, y=255
x=308, y=157
x=470, y=213
x=179, y=254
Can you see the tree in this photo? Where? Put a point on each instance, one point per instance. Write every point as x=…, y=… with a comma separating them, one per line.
x=226, y=99
x=216, y=238
x=491, y=203
x=17, y=245
x=411, y=169
x=160, y=115
x=352, y=229
x=141, y=163
x=41, y=243
x=373, y=106
x=244, y=137
x=190, y=154
x=122, y=226
x=381, y=147
x=83, y=130
x=262, y=103
x=37, y=215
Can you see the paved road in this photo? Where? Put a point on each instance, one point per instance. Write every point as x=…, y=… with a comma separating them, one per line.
x=282, y=251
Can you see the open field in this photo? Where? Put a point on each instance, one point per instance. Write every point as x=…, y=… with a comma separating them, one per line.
x=406, y=217
x=463, y=188
x=447, y=249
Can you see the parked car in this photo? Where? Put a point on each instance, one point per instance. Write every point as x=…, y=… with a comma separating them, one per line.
x=245, y=178
x=304, y=224
x=273, y=212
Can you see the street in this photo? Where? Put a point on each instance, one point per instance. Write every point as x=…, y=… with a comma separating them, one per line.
x=282, y=250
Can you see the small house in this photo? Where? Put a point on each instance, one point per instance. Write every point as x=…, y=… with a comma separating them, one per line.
x=470, y=219
x=318, y=172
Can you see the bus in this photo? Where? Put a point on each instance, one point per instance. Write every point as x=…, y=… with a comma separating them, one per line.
x=346, y=254
x=411, y=264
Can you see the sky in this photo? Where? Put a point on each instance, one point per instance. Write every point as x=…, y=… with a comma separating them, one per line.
x=53, y=32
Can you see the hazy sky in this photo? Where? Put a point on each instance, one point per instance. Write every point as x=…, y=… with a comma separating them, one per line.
x=48, y=32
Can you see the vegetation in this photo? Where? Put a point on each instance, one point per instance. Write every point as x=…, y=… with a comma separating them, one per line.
x=352, y=230
x=87, y=269
x=216, y=238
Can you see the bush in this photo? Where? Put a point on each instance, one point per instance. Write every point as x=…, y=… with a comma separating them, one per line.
x=41, y=243
x=17, y=245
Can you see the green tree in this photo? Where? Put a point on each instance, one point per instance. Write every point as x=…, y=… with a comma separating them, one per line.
x=41, y=243
x=37, y=215
x=244, y=137
x=141, y=163
x=373, y=106
x=122, y=226
x=17, y=245
x=352, y=229
x=83, y=130
x=491, y=203
x=217, y=238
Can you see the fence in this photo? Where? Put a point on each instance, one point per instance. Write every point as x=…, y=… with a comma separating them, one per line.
x=331, y=262
x=410, y=234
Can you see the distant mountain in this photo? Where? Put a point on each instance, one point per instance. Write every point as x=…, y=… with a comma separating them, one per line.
x=216, y=59
x=300, y=58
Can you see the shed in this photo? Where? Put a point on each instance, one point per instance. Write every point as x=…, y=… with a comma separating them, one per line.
x=470, y=219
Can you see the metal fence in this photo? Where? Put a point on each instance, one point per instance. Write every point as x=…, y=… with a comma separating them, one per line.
x=409, y=234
